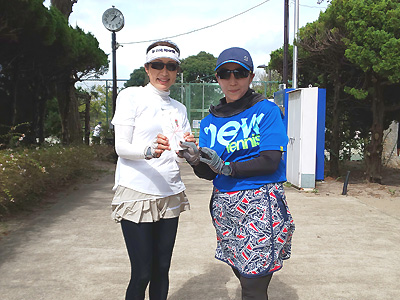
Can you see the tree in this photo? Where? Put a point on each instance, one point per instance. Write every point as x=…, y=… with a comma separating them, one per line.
x=26, y=30
x=41, y=57
x=52, y=124
x=101, y=104
x=64, y=6
x=267, y=83
x=322, y=62
x=83, y=57
x=137, y=78
x=353, y=50
x=371, y=30
x=276, y=61
x=199, y=68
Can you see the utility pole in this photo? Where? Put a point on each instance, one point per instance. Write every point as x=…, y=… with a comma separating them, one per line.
x=296, y=29
x=286, y=43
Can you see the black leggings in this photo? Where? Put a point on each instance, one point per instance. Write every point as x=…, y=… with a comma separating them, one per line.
x=149, y=248
x=254, y=288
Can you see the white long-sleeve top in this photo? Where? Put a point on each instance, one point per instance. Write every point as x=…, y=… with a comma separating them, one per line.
x=137, y=121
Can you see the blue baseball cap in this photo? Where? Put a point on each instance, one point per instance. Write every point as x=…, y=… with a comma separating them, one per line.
x=235, y=55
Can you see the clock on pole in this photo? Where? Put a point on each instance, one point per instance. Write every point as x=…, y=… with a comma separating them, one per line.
x=113, y=19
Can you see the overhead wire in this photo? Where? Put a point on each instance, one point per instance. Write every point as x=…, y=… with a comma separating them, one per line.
x=311, y=6
x=199, y=29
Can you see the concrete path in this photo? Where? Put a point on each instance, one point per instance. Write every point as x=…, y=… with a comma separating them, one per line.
x=342, y=249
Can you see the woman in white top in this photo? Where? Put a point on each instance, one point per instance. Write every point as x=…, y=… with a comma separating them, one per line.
x=149, y=192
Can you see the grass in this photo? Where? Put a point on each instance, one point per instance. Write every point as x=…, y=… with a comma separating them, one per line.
x=27, y=175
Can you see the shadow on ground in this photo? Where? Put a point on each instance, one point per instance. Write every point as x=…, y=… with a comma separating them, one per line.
x=220, y=285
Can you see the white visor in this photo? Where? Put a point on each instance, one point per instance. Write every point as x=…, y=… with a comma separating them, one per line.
x=162, y=52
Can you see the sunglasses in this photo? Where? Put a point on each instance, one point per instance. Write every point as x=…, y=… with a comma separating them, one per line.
x=238, y=73
x=158, y=65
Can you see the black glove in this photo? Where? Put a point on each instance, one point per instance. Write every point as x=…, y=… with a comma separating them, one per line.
x=211, y=158
x=190, y=153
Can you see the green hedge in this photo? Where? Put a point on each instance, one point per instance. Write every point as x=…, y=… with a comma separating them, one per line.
x=27, y=174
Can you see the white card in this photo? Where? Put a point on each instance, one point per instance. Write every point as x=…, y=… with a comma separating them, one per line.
x=172, y=128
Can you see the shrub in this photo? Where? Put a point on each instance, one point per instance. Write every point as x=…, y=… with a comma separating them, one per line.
x=27, y=174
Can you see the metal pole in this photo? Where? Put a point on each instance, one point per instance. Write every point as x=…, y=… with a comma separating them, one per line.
x=188, y=100
x=346, y=182
x=286, y=43
x=114, y=87
x=202, y=106
x=182, y=87
x=114, y=70
x=270, y=79
x=265, y=89
x=107, y=103
x=296, y=29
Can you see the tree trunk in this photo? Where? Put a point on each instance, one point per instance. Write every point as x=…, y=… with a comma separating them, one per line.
x=34, y=116
x=374, y=149
x=14, y=101
x=63, y=106
x=68, y=106
x=44, y=86
x=335, y=141
x=42, y=116
x=67, y=102
x=87, y=119
x=74, y=120
x=38, y=112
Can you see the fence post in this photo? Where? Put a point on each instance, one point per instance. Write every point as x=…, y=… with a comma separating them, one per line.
x=188, y=106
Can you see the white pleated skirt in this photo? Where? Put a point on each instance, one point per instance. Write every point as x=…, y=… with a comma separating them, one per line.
x=138, y=207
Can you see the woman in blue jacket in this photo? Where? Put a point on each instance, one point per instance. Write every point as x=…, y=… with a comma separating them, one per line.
x=241, y=144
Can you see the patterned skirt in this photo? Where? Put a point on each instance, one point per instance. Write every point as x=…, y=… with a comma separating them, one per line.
x=254, y=229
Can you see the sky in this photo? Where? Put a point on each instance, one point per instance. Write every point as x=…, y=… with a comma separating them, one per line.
x=259, y=30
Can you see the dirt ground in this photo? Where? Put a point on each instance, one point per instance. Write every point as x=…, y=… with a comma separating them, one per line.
x=385, y=196
x=19, y=219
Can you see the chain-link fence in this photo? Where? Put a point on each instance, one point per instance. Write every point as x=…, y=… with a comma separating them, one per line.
x=197, y=97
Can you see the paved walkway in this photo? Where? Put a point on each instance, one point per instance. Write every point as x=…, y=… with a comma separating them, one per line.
x=342, y=249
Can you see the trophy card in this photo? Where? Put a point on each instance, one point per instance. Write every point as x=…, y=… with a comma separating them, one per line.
x=172, y=128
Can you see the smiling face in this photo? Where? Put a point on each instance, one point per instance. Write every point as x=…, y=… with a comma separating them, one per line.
x=233, y=88
x=161, y=79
